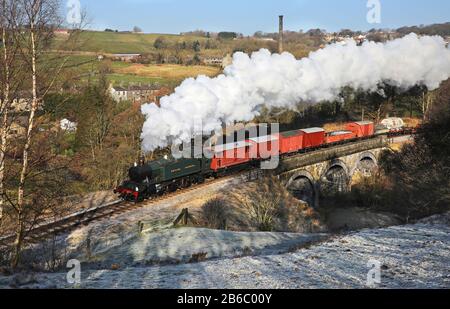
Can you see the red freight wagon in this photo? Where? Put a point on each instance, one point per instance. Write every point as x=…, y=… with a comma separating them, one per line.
x=291, y=141
x=229, y=155
x=313, y=137
x=339, y=136
x=266, y=146
x=362, y=128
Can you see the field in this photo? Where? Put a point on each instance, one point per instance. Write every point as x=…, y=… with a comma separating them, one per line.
x=115, y=43
x=177, y=52
x=122, y=73
x=166, y=71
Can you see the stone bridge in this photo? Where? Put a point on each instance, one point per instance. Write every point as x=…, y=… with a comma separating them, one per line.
x=331, y=169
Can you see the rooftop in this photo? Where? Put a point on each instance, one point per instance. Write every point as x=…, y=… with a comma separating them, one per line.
x=312, y=130
x=264, y=139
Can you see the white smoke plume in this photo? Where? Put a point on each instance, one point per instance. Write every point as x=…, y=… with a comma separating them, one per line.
x=276, y=80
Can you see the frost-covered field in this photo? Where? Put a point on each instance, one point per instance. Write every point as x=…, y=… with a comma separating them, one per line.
x=413, y=256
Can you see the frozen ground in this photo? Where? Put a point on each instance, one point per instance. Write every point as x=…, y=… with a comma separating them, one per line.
x=179, y=245
x=412, y=256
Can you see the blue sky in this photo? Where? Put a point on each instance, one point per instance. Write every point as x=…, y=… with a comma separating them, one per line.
x=248, y=16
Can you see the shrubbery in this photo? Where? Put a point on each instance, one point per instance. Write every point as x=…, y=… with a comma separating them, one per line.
x=264, y=205
x=215, y=213
x=414, y=182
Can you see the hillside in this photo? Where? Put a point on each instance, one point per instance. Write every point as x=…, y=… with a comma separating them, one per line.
x=411, y=256
x=435, y=29
x=168, y=62
x=117, y=42
x=180, y=45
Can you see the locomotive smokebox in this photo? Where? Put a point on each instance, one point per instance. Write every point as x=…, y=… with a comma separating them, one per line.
x=140, y=173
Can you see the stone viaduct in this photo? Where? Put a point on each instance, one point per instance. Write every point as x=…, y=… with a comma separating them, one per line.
x=335, y=169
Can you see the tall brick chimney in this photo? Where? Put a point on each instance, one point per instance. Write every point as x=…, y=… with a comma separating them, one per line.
x=280, y=35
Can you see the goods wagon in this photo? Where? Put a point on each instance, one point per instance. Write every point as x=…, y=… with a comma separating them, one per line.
x=264, y=147
x=339, y=136
x=229, y=155
x=291, y=141
x=313, y=137
x=362, y=128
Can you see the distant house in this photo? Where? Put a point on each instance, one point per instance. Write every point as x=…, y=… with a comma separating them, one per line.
x=265, y=39
x=142, y=94
x=119, y=94
x=61, y=32
x=227, y=60
x=330, y=38
x=22, y=102
x=21, y=105
x=16, y=130
x=218, y=61
x=125, y=57
x=157, y=95
x=68, y=126
x=17, y=127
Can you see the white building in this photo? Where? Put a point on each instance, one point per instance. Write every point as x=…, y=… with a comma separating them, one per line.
x=68, y=126
x=119, y=94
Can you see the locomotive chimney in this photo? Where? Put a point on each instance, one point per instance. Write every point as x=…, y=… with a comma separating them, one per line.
x=280, y=35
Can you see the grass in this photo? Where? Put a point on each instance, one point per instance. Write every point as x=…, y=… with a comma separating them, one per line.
x=124, y=73
x=167, y=71
x=113, y=43
x=125, y=79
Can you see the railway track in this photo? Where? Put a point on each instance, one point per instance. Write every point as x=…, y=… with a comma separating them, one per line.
x=66, y=224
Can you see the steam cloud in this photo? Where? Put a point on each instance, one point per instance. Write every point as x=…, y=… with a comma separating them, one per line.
x=276, y=80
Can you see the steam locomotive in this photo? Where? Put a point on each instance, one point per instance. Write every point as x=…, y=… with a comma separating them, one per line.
x=168, y=175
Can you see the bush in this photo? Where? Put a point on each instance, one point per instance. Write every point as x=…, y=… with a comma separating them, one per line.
x=268, y=206
x=215, y=214
x=160, y=43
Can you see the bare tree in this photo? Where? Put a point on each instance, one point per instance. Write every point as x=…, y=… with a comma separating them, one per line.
x=5, y=101
x=427, y=103
x=10, y=84
x=263, y=204
x=37, y=21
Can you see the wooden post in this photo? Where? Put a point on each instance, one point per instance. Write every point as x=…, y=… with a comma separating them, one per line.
x=140, y=227
x=88, y=248
x=185, y=217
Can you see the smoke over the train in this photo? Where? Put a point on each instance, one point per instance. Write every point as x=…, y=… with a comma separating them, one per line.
x=276, y=80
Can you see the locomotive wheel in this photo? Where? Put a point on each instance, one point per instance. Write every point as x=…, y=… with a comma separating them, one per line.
x=172, y=187
x=186, y=183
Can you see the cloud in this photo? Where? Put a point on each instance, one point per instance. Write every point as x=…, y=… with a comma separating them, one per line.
x=274, y=80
